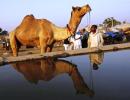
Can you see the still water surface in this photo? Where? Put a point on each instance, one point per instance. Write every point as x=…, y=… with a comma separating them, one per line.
x=87, y=77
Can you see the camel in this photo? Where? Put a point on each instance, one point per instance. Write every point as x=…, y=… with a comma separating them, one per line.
x=48, y=68
x=42, y=33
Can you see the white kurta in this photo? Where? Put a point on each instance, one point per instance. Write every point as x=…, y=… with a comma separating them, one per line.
x=77, y=42
x=95, y=40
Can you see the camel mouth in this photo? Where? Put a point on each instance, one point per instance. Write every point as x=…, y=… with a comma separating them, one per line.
x=85, y=13
x=88, y=8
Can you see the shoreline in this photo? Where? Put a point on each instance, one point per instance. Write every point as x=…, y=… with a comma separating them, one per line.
x=35, y=54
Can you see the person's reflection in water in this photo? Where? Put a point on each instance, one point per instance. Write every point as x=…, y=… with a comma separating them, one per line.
x=47, y=69
x=96, y=59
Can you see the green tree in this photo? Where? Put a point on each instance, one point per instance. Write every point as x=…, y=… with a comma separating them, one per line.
x=3, y=32
x=110, y=22
x=0, y=30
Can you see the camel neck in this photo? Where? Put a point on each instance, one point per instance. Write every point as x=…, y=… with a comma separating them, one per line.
x=69, y=29
x=73, y=24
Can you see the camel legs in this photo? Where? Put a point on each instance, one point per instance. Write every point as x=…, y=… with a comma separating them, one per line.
x=43, y=45
x=13, y=43
x=51, y=42
x=46, y=42
x=49, y=48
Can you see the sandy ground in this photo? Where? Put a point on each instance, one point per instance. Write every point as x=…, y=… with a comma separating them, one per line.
x=27, y=51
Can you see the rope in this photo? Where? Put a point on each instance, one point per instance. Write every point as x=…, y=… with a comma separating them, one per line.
x=91, y=76
x=88, y=19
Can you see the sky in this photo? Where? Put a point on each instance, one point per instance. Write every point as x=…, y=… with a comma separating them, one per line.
x=58, y=11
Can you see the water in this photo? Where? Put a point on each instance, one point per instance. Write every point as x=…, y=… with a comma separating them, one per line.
x=86, y=77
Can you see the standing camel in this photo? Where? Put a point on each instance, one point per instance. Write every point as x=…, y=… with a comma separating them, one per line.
x=43, y=33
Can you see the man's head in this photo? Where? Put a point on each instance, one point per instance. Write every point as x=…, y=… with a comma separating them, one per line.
x=82, y=31
x=93, y=28
x=95, y=66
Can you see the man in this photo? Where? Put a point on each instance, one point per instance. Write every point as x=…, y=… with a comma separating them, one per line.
x=84, y=38
x=77, y=40
x=66, y=44
x=95, y=39
x=96, y=59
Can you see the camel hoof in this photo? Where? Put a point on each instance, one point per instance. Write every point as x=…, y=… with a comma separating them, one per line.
x=42, y=54
x=15, y=55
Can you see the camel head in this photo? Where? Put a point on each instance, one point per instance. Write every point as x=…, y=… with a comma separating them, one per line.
x=76, y=16
x=80, y=11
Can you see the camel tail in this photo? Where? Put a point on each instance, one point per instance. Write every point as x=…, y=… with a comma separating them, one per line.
x=13, y=42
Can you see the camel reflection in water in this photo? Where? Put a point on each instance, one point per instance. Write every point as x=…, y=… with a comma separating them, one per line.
x=47, y=69
x=96, y=59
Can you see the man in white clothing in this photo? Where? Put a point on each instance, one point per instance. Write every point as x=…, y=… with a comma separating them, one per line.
x=77, y=41
x=95, y=39
x=66, y=44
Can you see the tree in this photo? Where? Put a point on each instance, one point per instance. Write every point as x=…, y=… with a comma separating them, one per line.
x=110, y=22
x=3, y=32
x=0, y=30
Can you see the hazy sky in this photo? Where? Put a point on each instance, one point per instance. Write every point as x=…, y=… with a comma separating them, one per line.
x=58, y=11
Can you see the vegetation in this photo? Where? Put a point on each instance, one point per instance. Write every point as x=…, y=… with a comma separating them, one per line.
x=110, y=22
x=3, y=32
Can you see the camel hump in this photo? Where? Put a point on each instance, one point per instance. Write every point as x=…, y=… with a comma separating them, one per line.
x=31, y=16
x=28, y=19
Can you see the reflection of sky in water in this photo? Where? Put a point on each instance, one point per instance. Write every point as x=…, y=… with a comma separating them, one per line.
x=110, y=82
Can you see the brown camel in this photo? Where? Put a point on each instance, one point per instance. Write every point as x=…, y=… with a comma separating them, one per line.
x=42, y=33
x=49, y=68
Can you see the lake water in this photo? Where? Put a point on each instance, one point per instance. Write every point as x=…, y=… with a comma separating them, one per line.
x=85, y=77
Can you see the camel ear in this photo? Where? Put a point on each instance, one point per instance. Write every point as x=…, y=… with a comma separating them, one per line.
x=73, y=8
